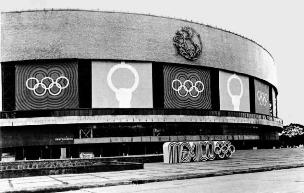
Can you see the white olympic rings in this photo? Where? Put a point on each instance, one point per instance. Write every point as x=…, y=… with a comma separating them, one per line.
x=182, y=85
x=126, y=66
x=262, y=98
x=234, y=76
x=48, y=88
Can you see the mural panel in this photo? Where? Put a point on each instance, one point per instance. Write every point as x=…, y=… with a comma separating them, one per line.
x=46, y=86
x=234, y=92
x=274, y=103
x=121, y=85
x=186, y=87
x=262, y=104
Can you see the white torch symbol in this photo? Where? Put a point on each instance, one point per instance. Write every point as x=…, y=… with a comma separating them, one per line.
x=235, y=98
x=123, y=95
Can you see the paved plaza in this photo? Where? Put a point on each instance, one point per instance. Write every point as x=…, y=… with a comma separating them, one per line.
x=243, y=161
x=275, y=181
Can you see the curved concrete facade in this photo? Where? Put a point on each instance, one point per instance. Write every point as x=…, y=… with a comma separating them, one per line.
x=65, y=34
x=60, y=96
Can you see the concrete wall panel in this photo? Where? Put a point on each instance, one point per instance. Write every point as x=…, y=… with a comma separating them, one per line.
x=52, y=34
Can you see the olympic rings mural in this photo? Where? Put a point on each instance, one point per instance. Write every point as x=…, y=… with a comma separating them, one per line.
x=262, y=98
x=197, y=151
x=47, y=84
x=50, y=85
x=187, y=87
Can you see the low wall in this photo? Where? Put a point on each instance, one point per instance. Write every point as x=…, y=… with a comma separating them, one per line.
x=136, y=158
x=66, y=166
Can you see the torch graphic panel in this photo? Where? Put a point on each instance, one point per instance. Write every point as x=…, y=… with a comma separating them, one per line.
x=234, y=92
x=121, y=85
x=46, y=86
x=186, y=87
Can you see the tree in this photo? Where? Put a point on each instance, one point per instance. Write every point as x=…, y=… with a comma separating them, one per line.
x=292, y=130
x=292, y=134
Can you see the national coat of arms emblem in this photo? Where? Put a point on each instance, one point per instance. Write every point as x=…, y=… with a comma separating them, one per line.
x=188, y=43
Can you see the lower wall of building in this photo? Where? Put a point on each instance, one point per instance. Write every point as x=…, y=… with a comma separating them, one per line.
x=120, y=139
x=109, y=149
x=58, y=135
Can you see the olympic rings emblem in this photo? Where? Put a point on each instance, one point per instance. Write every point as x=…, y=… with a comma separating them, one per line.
x=262, y=98
x=47, y=87
x=182, y=86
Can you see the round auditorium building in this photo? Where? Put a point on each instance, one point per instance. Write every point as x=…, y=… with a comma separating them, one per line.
x=78, y=82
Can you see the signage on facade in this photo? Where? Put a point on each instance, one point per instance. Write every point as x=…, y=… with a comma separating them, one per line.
x=86, y=155
x=63, y=139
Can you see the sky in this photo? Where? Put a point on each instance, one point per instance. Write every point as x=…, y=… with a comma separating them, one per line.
x=275, y=24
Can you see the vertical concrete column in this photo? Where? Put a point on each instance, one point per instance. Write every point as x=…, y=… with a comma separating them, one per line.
x=101, y=151
x=1, y=143
x=0, y=79
x=0, y=75
x=63, y=153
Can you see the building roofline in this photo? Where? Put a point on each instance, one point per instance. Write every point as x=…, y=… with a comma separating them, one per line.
x=144, y=14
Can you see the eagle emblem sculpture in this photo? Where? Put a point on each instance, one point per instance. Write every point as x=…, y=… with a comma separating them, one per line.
x=188, y=43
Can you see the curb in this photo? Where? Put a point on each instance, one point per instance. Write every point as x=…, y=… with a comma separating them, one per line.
x=61, y=188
